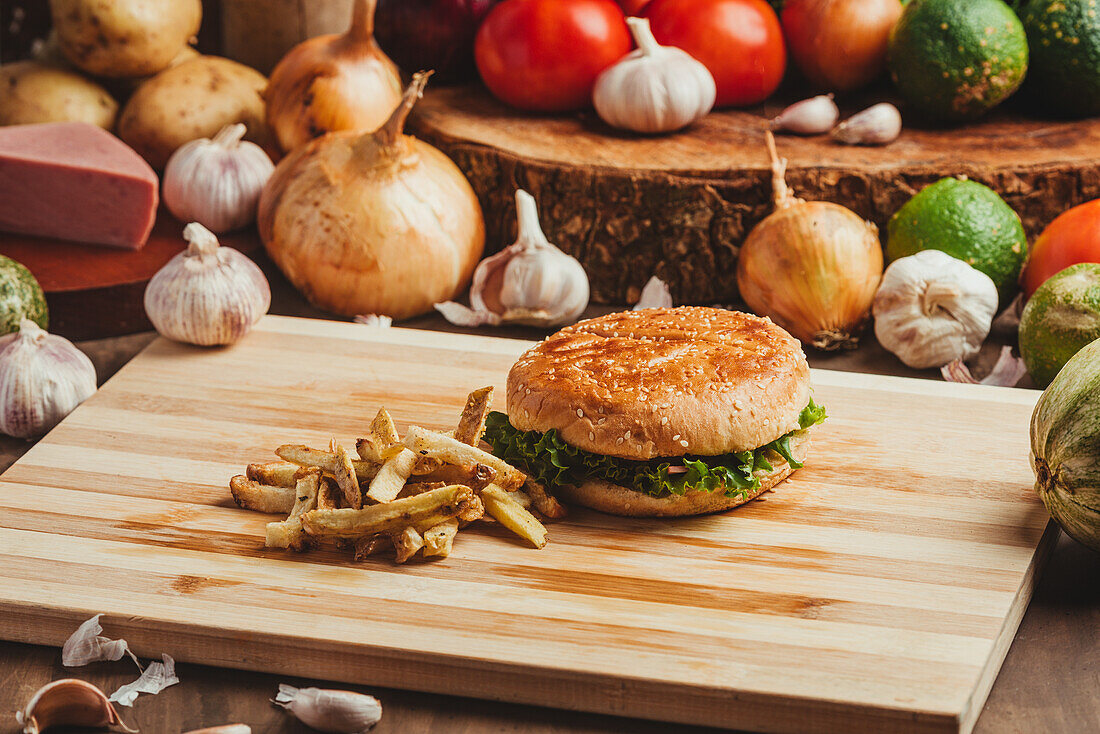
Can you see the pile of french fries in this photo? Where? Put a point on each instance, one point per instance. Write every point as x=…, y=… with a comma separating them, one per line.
x=412, y=495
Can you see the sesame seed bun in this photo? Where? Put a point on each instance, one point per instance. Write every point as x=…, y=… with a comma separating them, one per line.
x=619, y=500
x=663, y=382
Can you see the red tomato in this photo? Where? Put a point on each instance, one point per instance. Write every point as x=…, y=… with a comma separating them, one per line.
x=1074, y=237
x=546, y=54
x=740, y=41
x=632, y=7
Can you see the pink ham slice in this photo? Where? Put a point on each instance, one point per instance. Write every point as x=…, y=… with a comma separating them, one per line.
x=75, y=181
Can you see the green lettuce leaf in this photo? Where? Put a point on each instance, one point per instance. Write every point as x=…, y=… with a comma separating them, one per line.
x=552, y=462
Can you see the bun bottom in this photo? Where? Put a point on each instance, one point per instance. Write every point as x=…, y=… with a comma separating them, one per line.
x=615, y=499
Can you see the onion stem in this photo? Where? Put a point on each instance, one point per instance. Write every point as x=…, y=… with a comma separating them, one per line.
x=391, y=129
x=781, y=194
x=362, y=21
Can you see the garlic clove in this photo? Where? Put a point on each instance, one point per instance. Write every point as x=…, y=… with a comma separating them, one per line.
x=224, y=729
x=378, y=321
x=655, y=294
x=343, y=712
x=207, y=295
x=530, y=282
x=43, y=378
x=813, y=116
x=68, y=702
x=877, y=125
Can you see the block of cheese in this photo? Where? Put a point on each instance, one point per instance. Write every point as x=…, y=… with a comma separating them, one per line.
x=75, y=181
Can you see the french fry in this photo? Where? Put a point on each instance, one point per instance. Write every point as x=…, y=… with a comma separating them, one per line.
x=325, y=460
x=381, y=442
x=328, y=494
x=437, y=505
x=288, y=533
x=370, y=545
x=407, y=542
x=438, y=539
x=513, y=516
x=344, y=472
x=522, y=499
x=252, y=495
x=451, y=451
x=472, y=422
x=546, y=503
x=387, y=484
x=274, y=473
x=426, y=465
x=414, y=488
x=475, y=510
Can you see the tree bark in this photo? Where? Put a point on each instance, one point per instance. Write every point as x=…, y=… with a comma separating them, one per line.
x=679, y=206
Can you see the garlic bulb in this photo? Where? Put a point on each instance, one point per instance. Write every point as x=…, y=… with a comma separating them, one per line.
x=877, y=125
x=334, y=711
x=207, y=294
x=68, y=702
x=217, y=182
x=813, y=116
x=529, y=282
x=812, y=266
x=43, y=377
x=655, y=89
x=932, y=309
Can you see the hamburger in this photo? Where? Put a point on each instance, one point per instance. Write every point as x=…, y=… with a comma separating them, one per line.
x=659, y=412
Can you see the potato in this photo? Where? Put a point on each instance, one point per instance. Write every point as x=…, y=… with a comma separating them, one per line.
x=122, y=38
x=193, y=100
x=33, y=92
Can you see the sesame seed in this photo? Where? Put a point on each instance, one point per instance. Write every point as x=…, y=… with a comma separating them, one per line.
x=664, y=420
x=627, y=435
x=676, y=437
x=619, y=440
x=580, y=413
x=591, y=436
x=684, y=444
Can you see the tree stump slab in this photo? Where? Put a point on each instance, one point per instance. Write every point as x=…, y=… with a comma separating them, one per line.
x=679, y=206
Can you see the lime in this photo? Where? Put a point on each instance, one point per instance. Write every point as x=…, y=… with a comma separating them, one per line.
x=957, y=59
x=1064, y=36
x=966, y=220
x=1060, y=318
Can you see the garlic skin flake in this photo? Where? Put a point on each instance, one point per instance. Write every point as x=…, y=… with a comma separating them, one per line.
x=217, y=182
x=654, y=89
x=530, y=282
x=1006, y=373
x=153, y=680
x=932, y=309
x=207, y=295
x=813, y=116
x=877, y=125
x=43, y=377
x=343, y=712
x=87, y=645
x=68, y=702
x=655, y=294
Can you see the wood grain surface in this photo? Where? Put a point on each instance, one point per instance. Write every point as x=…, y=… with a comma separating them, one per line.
x=679, y=205
x=878, y=587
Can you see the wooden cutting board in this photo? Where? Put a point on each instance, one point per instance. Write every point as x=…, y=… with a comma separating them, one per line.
x=878, y=589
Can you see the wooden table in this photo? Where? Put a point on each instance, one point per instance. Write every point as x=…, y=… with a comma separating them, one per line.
x=1047, y=684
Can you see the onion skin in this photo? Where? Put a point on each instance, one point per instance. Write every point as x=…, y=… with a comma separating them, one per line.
x=815, y=285
x=377, y=223
x=813, y=267
x=333, y=82
x=1065, y=447
x=840, y=45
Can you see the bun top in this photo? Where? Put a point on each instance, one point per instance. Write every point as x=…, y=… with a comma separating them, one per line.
x=663, y=382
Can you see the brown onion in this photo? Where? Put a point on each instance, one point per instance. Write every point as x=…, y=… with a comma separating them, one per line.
x=840, y=45
x=813, y=267
x=378, y=223
x=333, y=82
